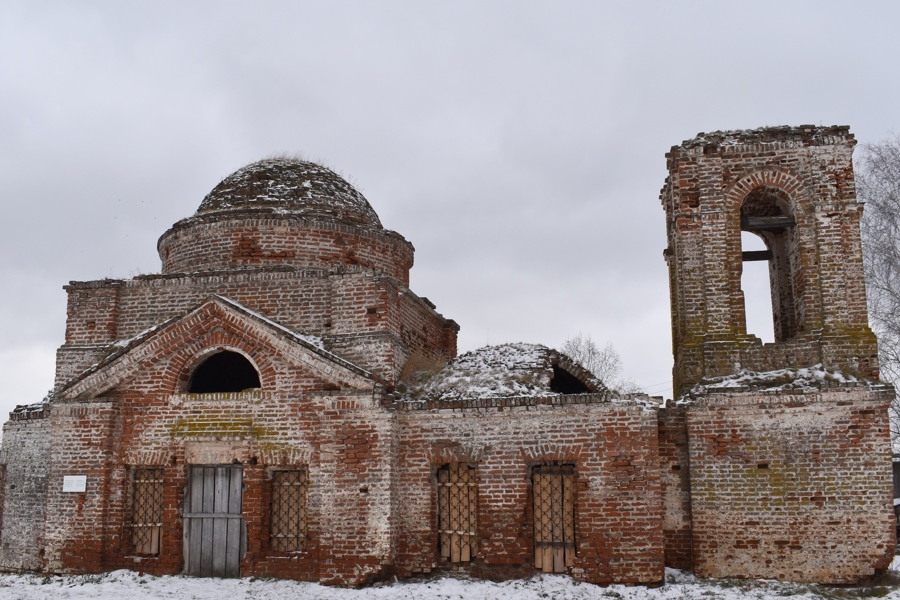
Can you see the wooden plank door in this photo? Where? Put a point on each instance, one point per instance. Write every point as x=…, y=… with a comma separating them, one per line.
x=457, y=513
x=213, y=524
x=554, y=517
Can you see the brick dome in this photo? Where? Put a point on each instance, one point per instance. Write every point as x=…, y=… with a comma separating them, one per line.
x=284, y=213
x=295, y=187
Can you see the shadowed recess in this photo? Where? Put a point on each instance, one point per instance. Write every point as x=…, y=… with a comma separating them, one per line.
x=224, y=372
x=564, y=382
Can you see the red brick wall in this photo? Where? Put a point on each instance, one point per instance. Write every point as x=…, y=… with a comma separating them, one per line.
x=363, y=318
x=200, y=244
x=675, y=473
x=93, y=313
x=709, y=177
x=76, y=526
x=614, y=450
x=344, y=439
x=794, y=486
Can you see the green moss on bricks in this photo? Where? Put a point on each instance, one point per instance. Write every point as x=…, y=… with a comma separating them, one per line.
x=218, y=426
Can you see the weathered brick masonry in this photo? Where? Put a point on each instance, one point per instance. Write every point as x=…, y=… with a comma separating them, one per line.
x=26, y=446
x=273, y=403
x=675, y=479
x=786, y=477
x=614, y=450
x=792, y=485
x=719, y=181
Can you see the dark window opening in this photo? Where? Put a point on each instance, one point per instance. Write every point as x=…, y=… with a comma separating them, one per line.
x=564, y=382
x=766, y=213
x=224, y=372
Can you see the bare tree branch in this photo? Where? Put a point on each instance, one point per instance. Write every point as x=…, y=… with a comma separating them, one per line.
x=605, y=363
x=878, y=185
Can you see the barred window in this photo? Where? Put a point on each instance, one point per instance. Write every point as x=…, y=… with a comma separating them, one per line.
x=288, y=530
x=553, y=488
x=146, y=510
x=456, y=508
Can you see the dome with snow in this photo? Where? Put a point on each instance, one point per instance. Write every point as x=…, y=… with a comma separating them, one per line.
x=291, y=186
x=284, y=213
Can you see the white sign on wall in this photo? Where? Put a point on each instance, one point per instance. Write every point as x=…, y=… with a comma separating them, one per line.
x=74, y=483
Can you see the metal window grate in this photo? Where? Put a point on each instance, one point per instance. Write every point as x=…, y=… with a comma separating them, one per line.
x=288, y=531
x=146, y=510
x=456, y=500
x=554, y=517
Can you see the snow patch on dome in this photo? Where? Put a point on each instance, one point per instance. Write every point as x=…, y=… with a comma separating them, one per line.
x=288, y=186
x=490, y=372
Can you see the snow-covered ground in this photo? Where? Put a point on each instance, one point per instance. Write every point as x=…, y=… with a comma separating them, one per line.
x=121, y=585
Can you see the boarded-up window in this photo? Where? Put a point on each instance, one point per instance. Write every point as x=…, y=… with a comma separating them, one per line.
x=146, y=510
x=456, y=500
x=553, y=487
x=288, y=531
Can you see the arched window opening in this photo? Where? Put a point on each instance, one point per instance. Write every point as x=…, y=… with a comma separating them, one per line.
x=765, y=213
x=564, y=382
x=224, y=372
x=757, y=289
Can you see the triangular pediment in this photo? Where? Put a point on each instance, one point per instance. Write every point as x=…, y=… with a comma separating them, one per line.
x=216, y=314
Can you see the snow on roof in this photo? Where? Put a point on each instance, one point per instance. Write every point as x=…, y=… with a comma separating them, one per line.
x=764, y=135
x=27, y=410
x=806, y=379
x=507, y=370
x=294, y=187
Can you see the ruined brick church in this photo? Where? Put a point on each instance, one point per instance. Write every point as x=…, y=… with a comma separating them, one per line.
x=275, y=402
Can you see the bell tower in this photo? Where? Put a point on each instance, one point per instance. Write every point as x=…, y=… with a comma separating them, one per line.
x=794, y=188
x=783, y=472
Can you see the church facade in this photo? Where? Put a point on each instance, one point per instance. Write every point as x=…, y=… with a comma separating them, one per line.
x=278, y=402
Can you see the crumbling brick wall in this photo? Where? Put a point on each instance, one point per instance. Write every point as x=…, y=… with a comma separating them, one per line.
x=811, y=170
x=342, y=438
x=367, y=319
x=675, y=481
x=792, y=485
x=612, y=446
x=782, y=483
x=205, y=243
x=26, y=459
x=76, y=526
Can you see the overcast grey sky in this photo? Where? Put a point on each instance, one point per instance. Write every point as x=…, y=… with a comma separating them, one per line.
x=518, y=145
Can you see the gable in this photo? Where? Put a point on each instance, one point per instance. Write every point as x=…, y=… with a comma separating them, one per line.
x=174, y=348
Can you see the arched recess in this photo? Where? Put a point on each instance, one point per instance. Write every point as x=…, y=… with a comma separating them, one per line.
x=564, y=382
x=192, y=348
x=767, y=211
x=223, y=370
x=569, y=377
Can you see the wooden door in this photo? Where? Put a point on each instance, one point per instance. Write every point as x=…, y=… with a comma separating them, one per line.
x=456, y=505
x=554, y=517
x=213, y=525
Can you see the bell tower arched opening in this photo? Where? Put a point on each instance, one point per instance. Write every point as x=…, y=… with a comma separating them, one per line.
x=756, y=288
x=766, y=212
